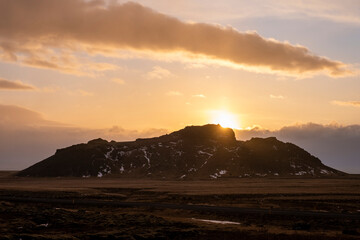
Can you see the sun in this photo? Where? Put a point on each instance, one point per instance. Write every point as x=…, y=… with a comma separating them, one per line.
x=225, y=119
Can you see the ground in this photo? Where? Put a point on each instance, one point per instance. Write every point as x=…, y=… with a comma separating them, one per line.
x=118, y=208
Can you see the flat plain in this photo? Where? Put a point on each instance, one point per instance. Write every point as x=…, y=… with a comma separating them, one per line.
x=123, y=208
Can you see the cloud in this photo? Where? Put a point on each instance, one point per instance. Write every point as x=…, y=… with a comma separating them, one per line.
x=199, y=96
x=14, y=85
x=118, y=81
x=38, y=54
x=27, y=137
x=347, y=103
x=276, y=96
x=195, y=65
x=346, y=11
x=32, y=36
x=14, y=117
x=335, y=145
x=174, y=93
x=158, y=73
x=102, y=66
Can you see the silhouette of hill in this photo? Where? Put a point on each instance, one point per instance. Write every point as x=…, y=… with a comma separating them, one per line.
x=195, y=152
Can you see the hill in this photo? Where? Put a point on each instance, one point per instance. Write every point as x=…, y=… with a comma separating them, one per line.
x=195, y=152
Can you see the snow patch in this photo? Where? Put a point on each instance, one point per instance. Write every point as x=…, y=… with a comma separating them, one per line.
x=179, y=153
x=300, y=173
x=260, y=174
x=293, y=165
x=324, y=171
x=44, y=225
x=202, y=152
x=108, y=154
x=128, y=153
x=204, y=164
x=218, y=174
x=146, y=156
x=107, y=169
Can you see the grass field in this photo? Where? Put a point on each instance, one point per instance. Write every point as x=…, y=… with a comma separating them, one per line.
x=117, y=208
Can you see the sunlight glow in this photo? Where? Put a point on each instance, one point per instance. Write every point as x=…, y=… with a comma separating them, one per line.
x=225, y=119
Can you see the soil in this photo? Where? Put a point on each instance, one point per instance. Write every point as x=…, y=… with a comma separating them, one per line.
x=115, y=208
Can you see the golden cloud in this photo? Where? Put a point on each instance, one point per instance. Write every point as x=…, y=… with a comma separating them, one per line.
x=28, y=29
x=14, y=85
x=347, y=103
x=158, y=73
x=276, y=96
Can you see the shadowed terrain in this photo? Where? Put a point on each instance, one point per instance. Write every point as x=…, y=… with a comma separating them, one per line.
x=195, y=152
x=125, y=208
x=195, y=183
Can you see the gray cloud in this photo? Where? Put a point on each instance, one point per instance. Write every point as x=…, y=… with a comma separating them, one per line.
x=29, y=28
x=13, y=85
x=337, y=146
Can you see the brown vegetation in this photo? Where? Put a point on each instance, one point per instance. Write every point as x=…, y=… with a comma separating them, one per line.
x=73, y=208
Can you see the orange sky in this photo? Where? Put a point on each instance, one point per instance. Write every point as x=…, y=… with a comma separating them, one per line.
x=71, y=70
x=103, y=64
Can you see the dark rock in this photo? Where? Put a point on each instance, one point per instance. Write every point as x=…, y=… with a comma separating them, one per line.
x=195, y=152
x=301, y=226
x=353, y=232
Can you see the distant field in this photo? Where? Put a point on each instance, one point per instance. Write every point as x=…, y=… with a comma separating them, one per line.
x=299, y=185
x=117, y=208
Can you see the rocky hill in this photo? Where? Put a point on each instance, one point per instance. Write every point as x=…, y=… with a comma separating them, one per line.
x=195, y=152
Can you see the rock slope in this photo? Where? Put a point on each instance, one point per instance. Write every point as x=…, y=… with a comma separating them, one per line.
x=195, y=152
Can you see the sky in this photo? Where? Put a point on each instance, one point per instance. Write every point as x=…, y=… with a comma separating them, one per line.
x=73, y=70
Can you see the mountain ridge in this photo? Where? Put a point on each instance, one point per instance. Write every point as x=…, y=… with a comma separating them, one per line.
x=195, y=152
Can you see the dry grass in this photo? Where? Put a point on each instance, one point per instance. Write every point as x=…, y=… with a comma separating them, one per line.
x=219, y=186
x=24, y=220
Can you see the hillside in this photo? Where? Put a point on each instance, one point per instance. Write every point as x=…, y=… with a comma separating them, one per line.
x=195, y=152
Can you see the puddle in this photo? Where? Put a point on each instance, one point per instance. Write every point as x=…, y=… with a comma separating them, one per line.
x=216, y=221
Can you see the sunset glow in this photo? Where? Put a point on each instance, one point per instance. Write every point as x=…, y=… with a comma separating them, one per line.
x=121, y=70
x=225, y=119
x=125, y=106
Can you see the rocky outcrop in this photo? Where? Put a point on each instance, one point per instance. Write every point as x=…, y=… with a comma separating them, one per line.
x=195, y=152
